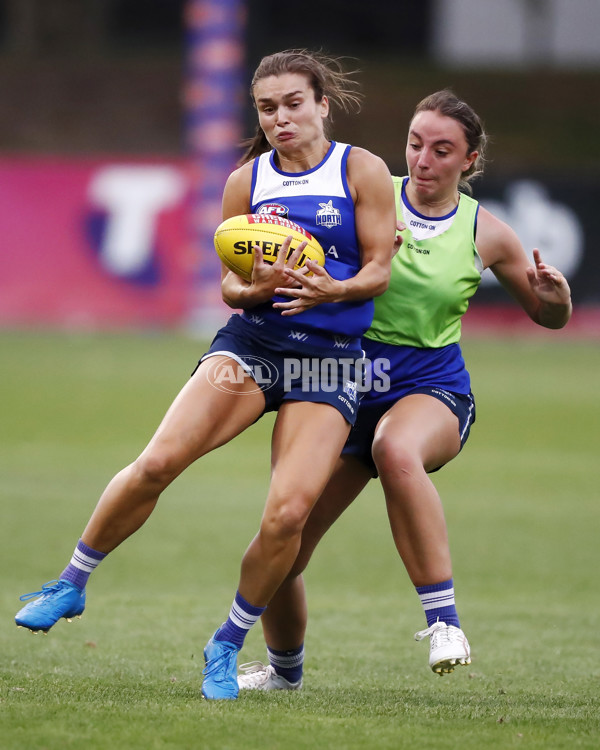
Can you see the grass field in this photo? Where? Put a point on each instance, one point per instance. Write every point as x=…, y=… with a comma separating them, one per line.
x=523, y=513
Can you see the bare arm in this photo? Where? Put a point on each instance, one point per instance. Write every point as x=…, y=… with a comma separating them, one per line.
x=375, y=217
x=540, y=289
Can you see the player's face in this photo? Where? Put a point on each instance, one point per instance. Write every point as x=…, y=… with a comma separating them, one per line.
x=436, y=154
x=287, y=112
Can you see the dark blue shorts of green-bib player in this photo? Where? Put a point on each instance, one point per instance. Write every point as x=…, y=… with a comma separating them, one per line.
x=360, y=440
x=285, y=368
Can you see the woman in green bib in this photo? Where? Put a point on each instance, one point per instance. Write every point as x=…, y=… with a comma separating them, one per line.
x=419, y=409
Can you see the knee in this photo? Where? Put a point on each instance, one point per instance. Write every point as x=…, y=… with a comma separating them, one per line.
x=155, y=469
x=393, y=458
x=285, y=519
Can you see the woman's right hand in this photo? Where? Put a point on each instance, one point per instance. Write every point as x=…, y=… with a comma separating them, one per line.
x=266, y=277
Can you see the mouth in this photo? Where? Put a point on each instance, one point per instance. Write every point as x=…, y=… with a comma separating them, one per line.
x=285, y=135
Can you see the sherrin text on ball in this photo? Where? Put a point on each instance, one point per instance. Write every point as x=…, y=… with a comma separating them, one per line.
x=236, y=237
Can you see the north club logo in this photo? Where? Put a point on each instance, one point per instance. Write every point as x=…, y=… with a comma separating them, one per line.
x=328, y=216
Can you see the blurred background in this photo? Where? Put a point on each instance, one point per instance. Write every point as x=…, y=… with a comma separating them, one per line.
x=120, y=119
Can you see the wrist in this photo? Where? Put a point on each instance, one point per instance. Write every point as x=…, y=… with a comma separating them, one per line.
x=341, y=291
x=254, y=295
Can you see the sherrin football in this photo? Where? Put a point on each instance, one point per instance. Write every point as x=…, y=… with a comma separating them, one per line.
x=236, y=236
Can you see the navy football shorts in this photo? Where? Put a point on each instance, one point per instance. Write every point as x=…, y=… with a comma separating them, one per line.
x=288, y=370
x=360, y=440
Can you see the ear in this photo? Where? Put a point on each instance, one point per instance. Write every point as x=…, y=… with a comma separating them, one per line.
x=324, y=107
x=469, y=160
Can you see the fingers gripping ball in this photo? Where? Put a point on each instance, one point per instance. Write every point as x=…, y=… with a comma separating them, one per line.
x=236, y=237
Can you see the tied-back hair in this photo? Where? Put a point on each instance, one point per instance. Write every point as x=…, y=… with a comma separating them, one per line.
x=326, y=77
x=448, y=104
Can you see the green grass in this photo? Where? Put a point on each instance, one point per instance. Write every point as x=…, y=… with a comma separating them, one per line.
x=521, y=505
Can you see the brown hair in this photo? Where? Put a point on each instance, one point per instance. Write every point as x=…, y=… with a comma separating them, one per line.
x=448, y=104
x=326, y=77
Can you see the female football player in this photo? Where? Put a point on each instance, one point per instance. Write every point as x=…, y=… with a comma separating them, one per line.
x=343, y=196
x=423, y=420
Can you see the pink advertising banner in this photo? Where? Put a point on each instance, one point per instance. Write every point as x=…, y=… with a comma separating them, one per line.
x=95, y=243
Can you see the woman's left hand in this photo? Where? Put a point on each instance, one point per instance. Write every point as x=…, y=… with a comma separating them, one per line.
x=313, y=286
x=547, y=283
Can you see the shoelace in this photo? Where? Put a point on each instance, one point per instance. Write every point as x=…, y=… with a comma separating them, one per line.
x=46, y=589
x=257, y=672
x=253, y=666
x=438, y=631
x=221, y=663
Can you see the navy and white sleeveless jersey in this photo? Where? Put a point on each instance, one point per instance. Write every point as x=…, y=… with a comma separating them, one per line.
x=320, y=201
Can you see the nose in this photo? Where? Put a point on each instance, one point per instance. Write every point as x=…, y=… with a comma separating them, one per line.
x=423, y=160
x=282, y=118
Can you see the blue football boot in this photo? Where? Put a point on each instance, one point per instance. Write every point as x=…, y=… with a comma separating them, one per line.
x=56, y=599
x=220, y=673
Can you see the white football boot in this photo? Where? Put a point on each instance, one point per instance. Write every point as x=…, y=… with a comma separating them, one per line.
x=448, y=647
x=257, y=676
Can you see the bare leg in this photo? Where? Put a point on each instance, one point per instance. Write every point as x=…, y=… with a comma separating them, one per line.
x=417, y=434
x=302, y=462
x=284, y=621
x=200, y=419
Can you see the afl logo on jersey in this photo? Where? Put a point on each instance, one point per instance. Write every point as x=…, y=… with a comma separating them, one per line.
x=274, y=208
x=328, y=216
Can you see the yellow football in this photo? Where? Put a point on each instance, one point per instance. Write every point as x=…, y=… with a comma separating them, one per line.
x=236, y=237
